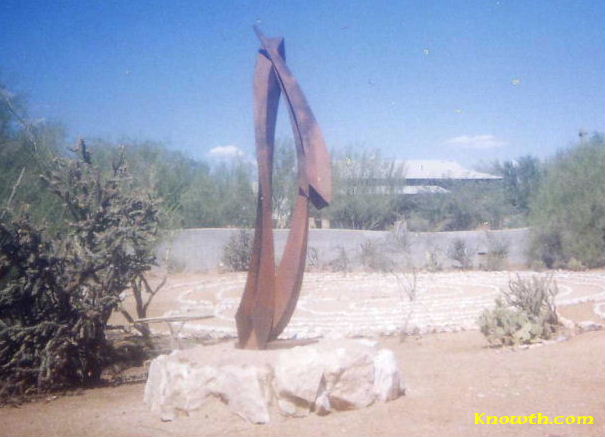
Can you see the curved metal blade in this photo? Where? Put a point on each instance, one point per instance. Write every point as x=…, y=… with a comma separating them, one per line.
x=269, y=299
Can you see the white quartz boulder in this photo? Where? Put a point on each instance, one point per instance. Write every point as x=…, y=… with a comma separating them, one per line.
x=319, y=377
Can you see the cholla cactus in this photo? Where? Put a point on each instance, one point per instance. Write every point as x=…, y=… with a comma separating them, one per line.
x=526, y=313
x=58, y=291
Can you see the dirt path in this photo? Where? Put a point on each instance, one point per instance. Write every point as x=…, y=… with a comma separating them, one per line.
x=450, y=377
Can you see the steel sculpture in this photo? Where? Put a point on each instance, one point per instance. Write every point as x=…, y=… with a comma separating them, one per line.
x=271, y=293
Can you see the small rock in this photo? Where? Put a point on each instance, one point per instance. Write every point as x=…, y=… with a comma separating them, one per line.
x=588, y=325
x=298, y=374
x=388, y=382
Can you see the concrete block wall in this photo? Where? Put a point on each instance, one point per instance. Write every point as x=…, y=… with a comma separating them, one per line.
x=201, y=250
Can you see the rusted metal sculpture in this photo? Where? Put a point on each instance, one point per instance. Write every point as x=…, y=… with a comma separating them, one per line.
x=271, y=294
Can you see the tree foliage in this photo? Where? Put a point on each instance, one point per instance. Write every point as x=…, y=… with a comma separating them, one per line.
x=520, y=180
x=285, y=182
x=26, y=150
x=568, y=211
x=365, y=190
x=193, y=193
x=468, y=205
x=237, y=253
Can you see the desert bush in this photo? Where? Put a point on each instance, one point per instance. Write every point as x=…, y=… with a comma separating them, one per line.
x=546, y=248
x=285, y=184
x=399, y=240
x=342, y=262
x=459, y=253
x=526, y=313
x=416, y=222
x=175, y=266
x=365, y=190
x=387, y=254
x=433, y=264
x=58, y=290
x=143, y=293
x=407, y=287
x=466, y=206
x=433, y=256
x=497, y=253
x=193, y=192
x=568, y=211
x=313, y=261
x=238, y=250
x=537, y=265
x=520, y=179
x=575, y=265
x=375, y=257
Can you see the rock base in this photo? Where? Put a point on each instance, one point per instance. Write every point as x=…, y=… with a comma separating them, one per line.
x=296, y=381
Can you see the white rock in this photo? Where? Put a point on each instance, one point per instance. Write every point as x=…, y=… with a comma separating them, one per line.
x=173, y=386
x=589, y=325
x=567, y=323
x=176, y=384
x=349, y=374
x=388, y=382
x=322, y=403
x=334, y=335
x=369, y=343
x=298, y=374
x=320, y=377
x=243, y=387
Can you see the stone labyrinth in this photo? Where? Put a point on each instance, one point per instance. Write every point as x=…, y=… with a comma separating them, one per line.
x=369, y=304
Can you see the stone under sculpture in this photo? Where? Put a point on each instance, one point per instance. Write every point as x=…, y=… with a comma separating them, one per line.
x=271, y=292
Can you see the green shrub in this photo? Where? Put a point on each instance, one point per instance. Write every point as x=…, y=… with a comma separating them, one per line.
x=399, y=239
x=175, y=266
x=497, y=253
x=358, y=202
x=342, y=262
x=57, y=291
x=526, y=313
x=537, y=265
x=374, y=257
x=568, y=212
x=313, y=261
x=238, y=251
x=460, y=254
x=575, y=265
x=432, y=261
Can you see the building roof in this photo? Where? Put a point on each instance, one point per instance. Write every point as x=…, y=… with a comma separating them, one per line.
x=409, y=189
x=437, y=169
x=423, y=189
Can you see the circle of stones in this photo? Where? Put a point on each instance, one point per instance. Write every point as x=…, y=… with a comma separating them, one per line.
x=368, y=304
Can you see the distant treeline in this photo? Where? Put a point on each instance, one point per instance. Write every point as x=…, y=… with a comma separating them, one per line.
x=562, y=197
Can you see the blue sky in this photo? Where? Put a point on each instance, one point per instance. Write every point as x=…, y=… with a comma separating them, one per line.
x=460, y=80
